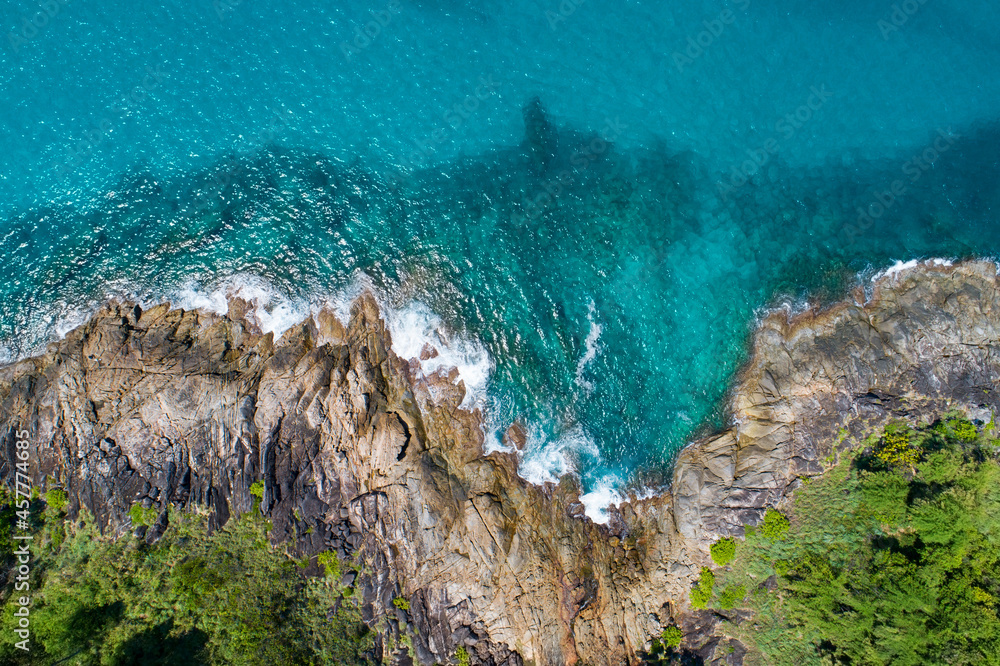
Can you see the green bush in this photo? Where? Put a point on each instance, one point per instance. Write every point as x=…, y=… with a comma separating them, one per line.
x=701, y=594
x=775, y=525
x=401, y=603
x=672, y=637
x=895, y=448
x=330, y=562
x=142, y=517
x=964, y=430
x=462, y=656
x=56, y=499
x=257, y=489
x=723, y=551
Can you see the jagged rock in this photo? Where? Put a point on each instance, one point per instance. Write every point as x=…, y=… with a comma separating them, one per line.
x=361, y=454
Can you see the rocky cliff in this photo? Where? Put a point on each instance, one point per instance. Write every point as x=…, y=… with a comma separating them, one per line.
x=362, y=454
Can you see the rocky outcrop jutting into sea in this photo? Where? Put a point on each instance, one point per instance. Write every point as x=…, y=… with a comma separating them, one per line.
x=362, y=454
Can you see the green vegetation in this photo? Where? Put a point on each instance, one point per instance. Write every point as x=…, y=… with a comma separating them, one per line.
x=723, y=551
x=671, y=637
x=331, y=564
x=895, y=448
x=56, y=499
x=401, y=603
x=892, y=557
x=775, y=525
x=462, y=656
x=701, y=594
x=732, y=596
x=193, y=597
x=8, y=516
x=142, y=517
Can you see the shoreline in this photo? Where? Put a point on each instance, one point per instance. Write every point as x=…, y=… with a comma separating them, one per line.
x=244, y=297
x=168, y=408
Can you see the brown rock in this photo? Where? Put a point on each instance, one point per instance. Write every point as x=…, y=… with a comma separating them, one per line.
x=516, y=436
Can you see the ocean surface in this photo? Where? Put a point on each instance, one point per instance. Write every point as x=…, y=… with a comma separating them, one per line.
x=585, y=205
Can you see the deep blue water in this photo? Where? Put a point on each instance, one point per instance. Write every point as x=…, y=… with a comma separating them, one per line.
x=594, y=198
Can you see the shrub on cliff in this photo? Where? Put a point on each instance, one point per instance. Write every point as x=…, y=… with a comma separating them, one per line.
x=723, y=551
x=895, y=448
x=671, y=637
x=701, y=594
x=142, y=517
x=330, y=562
x=883, y=563
x=56, y=499
x=775, y=525
x=732, y=596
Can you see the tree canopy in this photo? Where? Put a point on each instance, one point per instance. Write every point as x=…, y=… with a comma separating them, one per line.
x=892, y=557
x=227, y=597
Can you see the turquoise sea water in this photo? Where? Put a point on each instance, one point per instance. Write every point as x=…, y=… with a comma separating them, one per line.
x=594, y=199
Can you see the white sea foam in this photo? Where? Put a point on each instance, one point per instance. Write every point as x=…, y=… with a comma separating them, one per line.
x=270, y=309
x=591, y=349
x=415, y=329
x=792, y=307
x=341, y=303
x=901, y=267
x=896, y=269
x=546, y=460
x=604, y=495
x=74, y=318
x=494, y=442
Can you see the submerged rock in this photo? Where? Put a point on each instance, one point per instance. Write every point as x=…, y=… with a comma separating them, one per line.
x=360, y=454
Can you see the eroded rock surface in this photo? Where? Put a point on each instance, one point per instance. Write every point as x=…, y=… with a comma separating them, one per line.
x=361, y=454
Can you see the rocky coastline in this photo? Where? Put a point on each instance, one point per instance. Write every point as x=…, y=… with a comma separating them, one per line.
x=362, y=454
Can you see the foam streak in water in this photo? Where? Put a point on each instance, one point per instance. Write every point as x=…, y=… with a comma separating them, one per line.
x=590, y=350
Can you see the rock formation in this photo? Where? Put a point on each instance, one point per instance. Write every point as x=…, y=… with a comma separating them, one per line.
x=362, y=454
